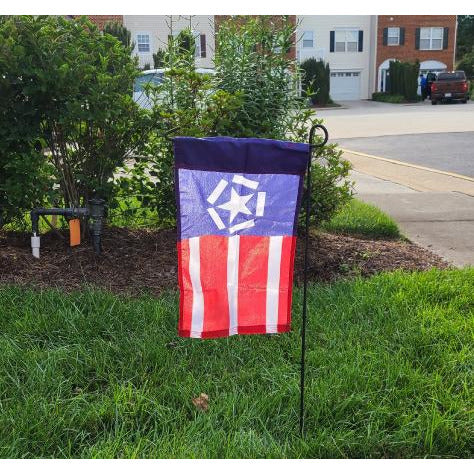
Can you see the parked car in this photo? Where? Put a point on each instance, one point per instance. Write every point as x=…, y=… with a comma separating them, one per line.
x=154, y=77
x=450, y=86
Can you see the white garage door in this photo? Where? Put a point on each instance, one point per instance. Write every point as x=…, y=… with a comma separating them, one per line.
x=345, y=86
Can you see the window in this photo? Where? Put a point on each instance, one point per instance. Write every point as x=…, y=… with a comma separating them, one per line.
x=431, y=38
x=308, y=41
x=347, y=40
x=345, y=74
x=393, y=37
x=143, y=43
x=199, y=44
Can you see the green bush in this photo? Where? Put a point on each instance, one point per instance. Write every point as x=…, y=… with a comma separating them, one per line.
x=315, y=81
x=467, y=64
x=254, y=93
x=25, y=179
x=158, y=59
x=121, y=33
x=385, y=97
x=75, y=85
x=404, y=79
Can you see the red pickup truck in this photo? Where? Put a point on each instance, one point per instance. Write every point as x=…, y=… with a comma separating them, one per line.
x=450, y=86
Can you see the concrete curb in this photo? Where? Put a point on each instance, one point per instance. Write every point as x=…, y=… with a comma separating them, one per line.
x=414, y=176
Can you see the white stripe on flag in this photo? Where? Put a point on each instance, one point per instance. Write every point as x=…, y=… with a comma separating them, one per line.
x=242, y=225
x=239, y=179
x=216, y=218
x=260, y=203
x=197, y=319
x=233, y=281
x=273, y=283
x=217, y=191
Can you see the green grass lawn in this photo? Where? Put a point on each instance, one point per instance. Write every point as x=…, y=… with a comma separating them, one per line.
x=390, y=373
x=363, y=219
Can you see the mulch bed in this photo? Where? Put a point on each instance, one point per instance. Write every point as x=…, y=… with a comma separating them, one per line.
x=144, y=261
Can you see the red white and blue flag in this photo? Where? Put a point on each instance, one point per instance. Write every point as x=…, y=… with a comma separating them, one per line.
x=238, y=201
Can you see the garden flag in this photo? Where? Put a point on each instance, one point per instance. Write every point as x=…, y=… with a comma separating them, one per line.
x=238, y=202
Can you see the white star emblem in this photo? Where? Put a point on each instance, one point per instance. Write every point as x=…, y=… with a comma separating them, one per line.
x=237, y=204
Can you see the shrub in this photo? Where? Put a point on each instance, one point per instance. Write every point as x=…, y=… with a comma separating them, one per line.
x=404, y=79
x=121, y=33
x=25, y=179
x=77, y=83
x=158, y=59
x=467, y=64
x=253, y=94
x=315, y=81
x=385, y=97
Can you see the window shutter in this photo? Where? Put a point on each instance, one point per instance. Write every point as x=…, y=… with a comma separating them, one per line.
x=361, y=41
x=385, y=36
x=203, y=46
x=417, y=38
x=331, y=41
x=402, y=36
x=445, y=38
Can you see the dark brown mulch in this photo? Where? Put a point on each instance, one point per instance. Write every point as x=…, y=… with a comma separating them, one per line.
x=137, y=261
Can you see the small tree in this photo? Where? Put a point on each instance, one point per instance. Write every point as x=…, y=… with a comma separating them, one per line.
x=78, y=83
x=315, y=82
x=25, y=178
x=467, y=64
x=254, y=93
x=121, y=33
x=404, y=79
x=159, y=59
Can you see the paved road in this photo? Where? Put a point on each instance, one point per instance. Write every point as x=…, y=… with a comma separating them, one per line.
x=453, y=152
x=433, y=208
x=375, y=119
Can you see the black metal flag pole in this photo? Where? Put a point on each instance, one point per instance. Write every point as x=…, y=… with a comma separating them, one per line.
x=312, y=146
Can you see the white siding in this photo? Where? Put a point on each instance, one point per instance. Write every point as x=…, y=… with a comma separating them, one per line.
x=362, y=62
x=160, y=26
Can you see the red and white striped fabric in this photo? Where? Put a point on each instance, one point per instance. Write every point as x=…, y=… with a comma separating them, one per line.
x=238, y=202
x=248, y=281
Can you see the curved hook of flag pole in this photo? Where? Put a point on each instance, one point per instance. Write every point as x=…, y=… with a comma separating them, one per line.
x=312, y=146
x=312, y=133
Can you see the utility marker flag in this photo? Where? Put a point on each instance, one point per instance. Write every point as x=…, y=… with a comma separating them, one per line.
x=238, y=201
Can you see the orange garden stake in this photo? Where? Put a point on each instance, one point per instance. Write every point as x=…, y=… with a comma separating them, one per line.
x=74, y=232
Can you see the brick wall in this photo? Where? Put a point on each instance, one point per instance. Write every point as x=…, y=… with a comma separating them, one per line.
x=407, y=51
x=101, y=20
x=276, y=19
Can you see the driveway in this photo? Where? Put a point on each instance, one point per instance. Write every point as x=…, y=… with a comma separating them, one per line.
x=416, y=162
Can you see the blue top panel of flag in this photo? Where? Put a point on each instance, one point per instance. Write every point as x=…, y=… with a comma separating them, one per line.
x=217, y=203
x=241, y=155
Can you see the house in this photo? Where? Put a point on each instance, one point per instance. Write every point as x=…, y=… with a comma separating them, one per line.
x=151, y=32
x=358, y=48
x=430, y=39
x=101, y=20
x=347, y=43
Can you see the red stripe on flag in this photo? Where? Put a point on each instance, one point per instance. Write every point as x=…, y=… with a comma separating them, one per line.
x=185, y=288
x=252, y=293
x=213, y=253
x=286, y=283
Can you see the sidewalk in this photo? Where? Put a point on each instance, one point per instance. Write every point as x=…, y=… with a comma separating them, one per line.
x=438, y=214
